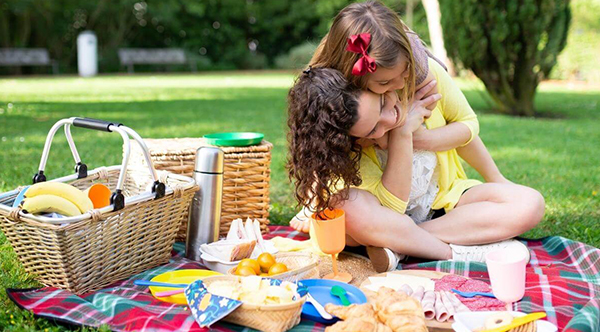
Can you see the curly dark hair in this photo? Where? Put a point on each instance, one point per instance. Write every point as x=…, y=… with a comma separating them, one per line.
x=322, y=107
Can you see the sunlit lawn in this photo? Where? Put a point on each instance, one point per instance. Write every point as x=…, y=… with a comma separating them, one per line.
x=558, y=154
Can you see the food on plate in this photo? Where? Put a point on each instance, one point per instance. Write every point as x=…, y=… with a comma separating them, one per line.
x=435, y=295
x=229, y=250
x=497, y=320
x=399, y=311
x=394, y=309
x=246, y=231
x=478, y=303
x=396, y=281
x=61, y=190
x=251, y=263
x=277, y=268
x=245, y=271
x=418, y=293
x=439, y=305
x=355, y=318
x=266, y=260
x=501, y=319
x=428, y=304
x=442, y=313
x=254, y=290
x=259, y=265
x=458, y=306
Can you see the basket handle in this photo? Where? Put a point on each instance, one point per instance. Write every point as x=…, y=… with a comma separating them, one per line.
x=117, y=199
x=81, y=168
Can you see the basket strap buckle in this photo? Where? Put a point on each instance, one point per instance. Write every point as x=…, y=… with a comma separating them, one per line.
x=117, y=200
x=39, y=177
x=159, y=188
x=81, y=170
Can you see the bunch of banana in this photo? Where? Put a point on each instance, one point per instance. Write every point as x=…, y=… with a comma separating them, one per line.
x=56, y=197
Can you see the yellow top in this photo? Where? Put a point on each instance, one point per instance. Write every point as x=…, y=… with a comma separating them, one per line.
x=452, y=181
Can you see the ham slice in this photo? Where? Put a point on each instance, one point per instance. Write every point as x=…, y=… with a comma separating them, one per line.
x=428, y=304
x=441, y=313
x=418, y=293
x=450, y=307
x=406, y=289
x=458, y=306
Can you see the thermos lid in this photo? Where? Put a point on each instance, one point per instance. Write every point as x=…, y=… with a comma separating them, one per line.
x=209, y=160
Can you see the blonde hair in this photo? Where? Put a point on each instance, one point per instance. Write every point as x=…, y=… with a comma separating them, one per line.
x=388, y=42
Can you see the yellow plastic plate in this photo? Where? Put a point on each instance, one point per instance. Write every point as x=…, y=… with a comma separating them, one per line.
x=178, y=277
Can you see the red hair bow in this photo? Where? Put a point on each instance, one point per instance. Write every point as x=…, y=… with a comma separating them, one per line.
x=359, y=44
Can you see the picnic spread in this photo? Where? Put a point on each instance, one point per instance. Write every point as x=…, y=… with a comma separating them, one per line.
x=104, y=245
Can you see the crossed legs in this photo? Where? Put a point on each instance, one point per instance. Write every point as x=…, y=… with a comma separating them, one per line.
x=486, y=213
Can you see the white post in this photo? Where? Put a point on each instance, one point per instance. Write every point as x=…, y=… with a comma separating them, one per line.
x=87, y=54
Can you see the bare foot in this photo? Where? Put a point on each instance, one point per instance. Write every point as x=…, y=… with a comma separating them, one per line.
x=300, y=224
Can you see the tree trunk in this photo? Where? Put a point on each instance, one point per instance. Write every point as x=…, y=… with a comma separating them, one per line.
x=410, y=6
x=432, y=10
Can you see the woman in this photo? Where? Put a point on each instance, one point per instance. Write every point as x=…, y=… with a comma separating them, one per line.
x=464, y=212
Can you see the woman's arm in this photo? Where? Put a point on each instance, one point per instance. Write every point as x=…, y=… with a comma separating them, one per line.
x=397, y=174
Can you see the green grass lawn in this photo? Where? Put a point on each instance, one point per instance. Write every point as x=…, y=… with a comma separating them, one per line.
x=557, y=153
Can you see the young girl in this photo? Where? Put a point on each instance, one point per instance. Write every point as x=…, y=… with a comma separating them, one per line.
x=369, y=45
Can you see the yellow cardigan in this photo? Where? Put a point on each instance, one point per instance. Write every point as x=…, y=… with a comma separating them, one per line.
x=452, y=181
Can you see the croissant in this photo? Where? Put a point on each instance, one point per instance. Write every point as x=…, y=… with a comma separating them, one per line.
x=399, y=311
x=356, y=318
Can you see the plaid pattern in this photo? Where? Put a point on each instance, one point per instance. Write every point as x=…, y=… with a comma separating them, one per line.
x=562, y=279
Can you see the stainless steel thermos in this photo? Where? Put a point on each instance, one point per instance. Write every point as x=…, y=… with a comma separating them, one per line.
x=204, y=222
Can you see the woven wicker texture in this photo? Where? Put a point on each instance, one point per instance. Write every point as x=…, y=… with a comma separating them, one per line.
x=267, y=318
x=246, y=176
x=93, y=253
x=358, y=266
x=300, y=266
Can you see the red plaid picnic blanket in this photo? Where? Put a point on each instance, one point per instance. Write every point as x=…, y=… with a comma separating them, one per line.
x=562, y=279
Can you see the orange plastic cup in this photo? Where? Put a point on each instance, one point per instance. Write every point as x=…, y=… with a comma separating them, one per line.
x=330, y=229
x=99, y=194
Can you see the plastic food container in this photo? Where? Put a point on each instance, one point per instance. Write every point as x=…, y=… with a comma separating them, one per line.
x=469, y=321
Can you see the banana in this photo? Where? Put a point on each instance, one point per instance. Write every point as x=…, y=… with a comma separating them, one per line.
x=66, y=191
x=50, y=203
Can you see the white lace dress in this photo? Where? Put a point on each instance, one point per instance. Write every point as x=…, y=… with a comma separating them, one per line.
x=424, y=186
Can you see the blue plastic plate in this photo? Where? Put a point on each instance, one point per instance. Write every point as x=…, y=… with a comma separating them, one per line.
x=20, y=197
x=320, y=290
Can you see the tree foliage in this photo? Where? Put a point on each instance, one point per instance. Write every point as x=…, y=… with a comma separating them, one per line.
x=511, y=45
x=221, y=34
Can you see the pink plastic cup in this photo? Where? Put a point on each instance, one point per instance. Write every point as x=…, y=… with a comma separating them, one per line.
x=506, y=269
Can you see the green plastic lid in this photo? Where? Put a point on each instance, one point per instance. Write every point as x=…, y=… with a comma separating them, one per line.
x=234, y=139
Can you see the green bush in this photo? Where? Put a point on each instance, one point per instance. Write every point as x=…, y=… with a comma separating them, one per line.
x=510, y=45
x=297, y=58
x=579, y=59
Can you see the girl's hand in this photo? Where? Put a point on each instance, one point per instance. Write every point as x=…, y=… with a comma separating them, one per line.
x=418, y=113
x=425, y=92
x=427, y=88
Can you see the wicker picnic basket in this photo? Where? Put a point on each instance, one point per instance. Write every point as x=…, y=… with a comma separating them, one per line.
x=92, y=250
x=301, y=265
x=246, y=176
x=267, y=318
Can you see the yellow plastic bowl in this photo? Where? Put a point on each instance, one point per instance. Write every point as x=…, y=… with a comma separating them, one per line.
x=179, y=277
